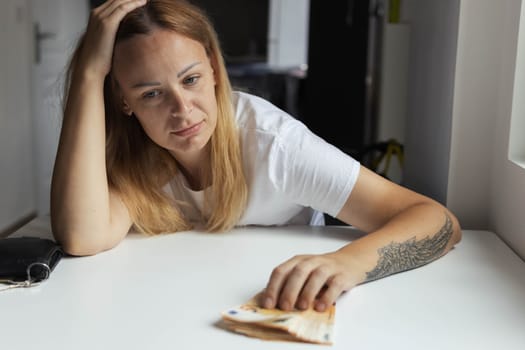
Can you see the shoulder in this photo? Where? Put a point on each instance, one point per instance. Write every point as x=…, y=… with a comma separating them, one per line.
x=257, y=117
x=246, y=104
x=284, y=158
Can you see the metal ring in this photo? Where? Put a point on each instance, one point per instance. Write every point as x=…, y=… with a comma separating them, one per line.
x=30, y=279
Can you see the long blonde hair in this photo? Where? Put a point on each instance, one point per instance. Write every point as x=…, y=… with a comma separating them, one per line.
x=137, y=168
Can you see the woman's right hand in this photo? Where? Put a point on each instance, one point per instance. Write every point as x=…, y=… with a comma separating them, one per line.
x=97, y=47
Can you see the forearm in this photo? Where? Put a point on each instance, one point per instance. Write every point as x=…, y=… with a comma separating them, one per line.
x=86, y=216
x=79, y=193
x=414, y=237
x=405, y=230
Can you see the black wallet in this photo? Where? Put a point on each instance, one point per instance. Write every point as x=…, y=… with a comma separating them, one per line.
x=28, y=259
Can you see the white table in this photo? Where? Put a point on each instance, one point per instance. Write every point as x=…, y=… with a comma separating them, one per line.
x=167, y=292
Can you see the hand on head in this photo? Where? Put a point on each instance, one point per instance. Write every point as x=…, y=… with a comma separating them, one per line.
x=97, y=45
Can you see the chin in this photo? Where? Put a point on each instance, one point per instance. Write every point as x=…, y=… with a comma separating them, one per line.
x=191, y=144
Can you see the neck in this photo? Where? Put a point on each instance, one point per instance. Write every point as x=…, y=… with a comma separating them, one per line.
x=195, y=168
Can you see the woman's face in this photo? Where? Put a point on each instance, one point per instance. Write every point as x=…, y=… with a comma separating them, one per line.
x=167, y=81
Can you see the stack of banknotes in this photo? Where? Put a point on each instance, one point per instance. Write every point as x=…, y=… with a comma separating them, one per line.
x=297, y=325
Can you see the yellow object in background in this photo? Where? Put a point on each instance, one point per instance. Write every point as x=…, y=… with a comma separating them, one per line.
x=380, y=154
x=394, y=9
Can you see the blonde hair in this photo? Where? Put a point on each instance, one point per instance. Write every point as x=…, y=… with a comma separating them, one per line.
x=137, y=168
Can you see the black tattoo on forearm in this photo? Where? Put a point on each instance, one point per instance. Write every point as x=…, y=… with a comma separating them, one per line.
x=397, y=257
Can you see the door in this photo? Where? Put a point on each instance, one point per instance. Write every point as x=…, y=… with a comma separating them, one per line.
x=17, y=202
x=57, y=26
x=334, y=93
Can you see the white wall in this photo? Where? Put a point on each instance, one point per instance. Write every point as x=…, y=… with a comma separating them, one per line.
x=288, y=33
x=469, y=90
x=476, y=110
x=432, y=56
x=486, y=189
x=394, y=82
x=16, y=175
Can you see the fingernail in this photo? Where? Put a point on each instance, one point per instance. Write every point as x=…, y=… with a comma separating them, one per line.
x=302, y=305
x=320, y=306
x=268, y=303
x=285, y=305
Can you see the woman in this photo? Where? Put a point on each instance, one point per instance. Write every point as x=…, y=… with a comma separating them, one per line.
x=154, y=137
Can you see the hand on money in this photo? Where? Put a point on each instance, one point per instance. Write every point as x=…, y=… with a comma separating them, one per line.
x=307, y=281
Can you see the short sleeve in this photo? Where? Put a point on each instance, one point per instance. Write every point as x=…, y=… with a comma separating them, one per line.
x=310, y=171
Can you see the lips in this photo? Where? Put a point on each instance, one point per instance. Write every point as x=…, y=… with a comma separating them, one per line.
x=195, y=128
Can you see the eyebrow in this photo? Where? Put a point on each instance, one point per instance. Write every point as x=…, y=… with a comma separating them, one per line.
x=182, y=72
x=156, y=83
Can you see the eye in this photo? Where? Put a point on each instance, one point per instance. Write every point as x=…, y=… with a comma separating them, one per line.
x=191, y=80
x=151, y=94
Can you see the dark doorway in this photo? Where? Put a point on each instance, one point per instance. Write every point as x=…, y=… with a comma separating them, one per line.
x=333, y=96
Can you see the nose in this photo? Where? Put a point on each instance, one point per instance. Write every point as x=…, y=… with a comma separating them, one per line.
x=181, y=104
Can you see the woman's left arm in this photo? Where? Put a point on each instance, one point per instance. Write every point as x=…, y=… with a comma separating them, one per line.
x=406, y=230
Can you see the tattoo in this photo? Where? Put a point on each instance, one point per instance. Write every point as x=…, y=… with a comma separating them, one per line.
x=397, y=257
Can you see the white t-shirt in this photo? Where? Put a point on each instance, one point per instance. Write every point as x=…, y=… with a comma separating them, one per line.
x=293, y=176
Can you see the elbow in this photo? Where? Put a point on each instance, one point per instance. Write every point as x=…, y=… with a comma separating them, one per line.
x=457, y=235
x=80, y=240
x=75, y=243
x=75, y=249
x=456, y=230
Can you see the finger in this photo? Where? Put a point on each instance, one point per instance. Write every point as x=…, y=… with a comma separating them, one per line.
x=107, y=7
x=121, y=8
x=294, y=283
x=336, y=286
x=103, y=6
x=274, y=286
x=312, y=287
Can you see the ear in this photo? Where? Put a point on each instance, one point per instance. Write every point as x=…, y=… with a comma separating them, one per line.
x=126, y=108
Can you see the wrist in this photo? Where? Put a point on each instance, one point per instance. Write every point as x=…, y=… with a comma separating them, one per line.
x=354, y=266
x=89, y=76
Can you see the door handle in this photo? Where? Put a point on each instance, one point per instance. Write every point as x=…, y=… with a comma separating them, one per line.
x=38, y=38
